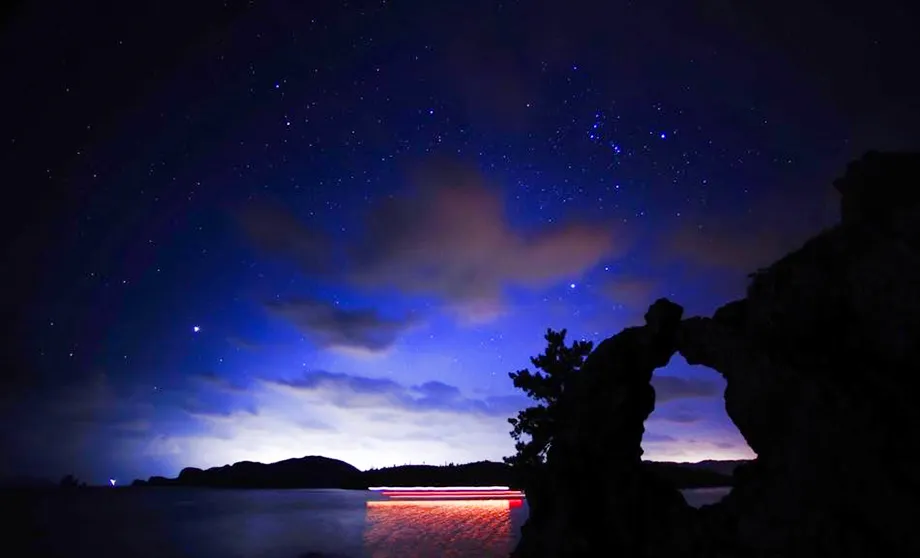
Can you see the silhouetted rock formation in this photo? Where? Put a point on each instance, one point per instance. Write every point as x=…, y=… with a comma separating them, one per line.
x=304, y=472
x=70, y=481
x=820, y=360
x=322, y=472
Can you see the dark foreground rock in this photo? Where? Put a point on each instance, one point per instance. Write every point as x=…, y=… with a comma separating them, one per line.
x=821, y=360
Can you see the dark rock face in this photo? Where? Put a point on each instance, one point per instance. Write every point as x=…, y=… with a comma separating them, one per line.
x=820, y=360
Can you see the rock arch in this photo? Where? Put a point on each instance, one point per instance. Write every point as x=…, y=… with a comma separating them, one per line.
x=819, y=360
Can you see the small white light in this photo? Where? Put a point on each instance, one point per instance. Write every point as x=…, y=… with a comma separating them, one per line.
x=112, y=482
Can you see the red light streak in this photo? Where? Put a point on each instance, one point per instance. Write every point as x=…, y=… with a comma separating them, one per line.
x=453, y=493
x=433, y=493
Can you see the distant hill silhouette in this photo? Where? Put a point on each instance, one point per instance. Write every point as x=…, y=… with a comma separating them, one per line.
x=304, y=472
x=323, y=472
x=726, y=468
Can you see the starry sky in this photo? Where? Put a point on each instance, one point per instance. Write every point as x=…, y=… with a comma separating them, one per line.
x=259, y=230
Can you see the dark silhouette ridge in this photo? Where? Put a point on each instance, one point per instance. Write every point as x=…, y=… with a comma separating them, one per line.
x=304, y=472
x=70, y=481
x=820, y=360
x=322, y=472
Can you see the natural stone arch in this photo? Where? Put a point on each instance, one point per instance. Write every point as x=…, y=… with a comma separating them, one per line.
x=597, y=448
x=820, y=359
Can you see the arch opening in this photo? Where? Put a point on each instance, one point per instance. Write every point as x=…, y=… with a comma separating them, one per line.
x=689, y=437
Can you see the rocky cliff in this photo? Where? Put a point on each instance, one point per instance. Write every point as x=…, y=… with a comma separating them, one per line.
x=820, y=359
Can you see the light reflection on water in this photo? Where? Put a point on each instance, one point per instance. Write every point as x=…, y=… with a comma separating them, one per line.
x=448, y=529
x=202, y=523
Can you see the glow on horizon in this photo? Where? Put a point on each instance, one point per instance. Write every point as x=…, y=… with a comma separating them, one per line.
x=339, y=424
x=687, y=453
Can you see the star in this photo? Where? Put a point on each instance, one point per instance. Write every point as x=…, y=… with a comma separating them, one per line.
x=196, y=329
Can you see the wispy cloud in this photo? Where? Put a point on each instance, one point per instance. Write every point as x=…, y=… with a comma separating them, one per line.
x=242, y=343
x=449, y=237
x=669, y=388
x=657, y=437
x=365, y=421
x=778, y=223
x=57, y=431
x=632, y=292
x=679, y=417
x=276, y=231
x=332, y=326
x=217, y=382
x=351, y=391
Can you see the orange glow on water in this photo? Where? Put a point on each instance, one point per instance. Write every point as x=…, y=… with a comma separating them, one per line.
x=447, y=529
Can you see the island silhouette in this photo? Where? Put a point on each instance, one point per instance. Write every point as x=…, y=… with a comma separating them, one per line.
x=323, y=472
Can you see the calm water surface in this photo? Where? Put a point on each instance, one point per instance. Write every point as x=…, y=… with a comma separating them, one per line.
x=199, y=523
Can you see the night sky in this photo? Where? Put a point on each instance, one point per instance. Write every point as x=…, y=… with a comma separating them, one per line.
x=260, y=230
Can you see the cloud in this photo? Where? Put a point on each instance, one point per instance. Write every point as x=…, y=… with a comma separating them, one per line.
x=366, y=421
x=220, y=383
x=276, y=231
x=632, y=292
x=656, y=437
x=679, y=417
x=725, y=246
x=669, y=388
x=449, y=236
x=92, y=401
x=744, y=242
x=242, y=343
x=350, y=391
x=63, y=430
x=332, y=326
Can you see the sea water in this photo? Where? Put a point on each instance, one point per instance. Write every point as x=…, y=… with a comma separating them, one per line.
x=202, y=523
